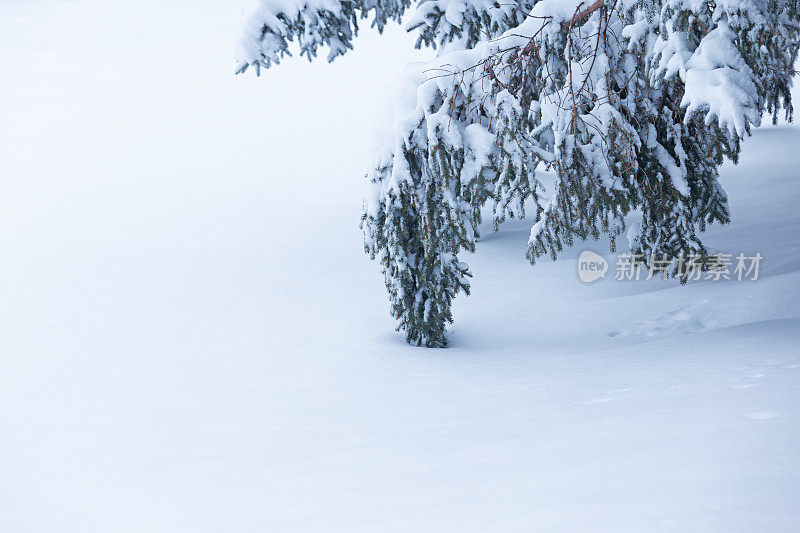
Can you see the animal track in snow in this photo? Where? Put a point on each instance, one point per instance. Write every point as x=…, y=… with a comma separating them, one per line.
x=685, y=319
x=749, y=380
x=606, y=399
x=599, y=400
x=761, y=415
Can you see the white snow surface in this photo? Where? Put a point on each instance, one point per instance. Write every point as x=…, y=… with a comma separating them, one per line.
x=191, y=338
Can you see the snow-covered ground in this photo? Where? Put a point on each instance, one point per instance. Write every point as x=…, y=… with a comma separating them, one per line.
x=192, y=340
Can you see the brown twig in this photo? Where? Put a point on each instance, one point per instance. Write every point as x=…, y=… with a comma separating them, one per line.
x=568, y=24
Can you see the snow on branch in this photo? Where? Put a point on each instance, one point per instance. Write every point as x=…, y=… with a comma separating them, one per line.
x=272, y=24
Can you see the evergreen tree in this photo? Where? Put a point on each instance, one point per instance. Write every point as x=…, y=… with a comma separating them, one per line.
x=634, y=104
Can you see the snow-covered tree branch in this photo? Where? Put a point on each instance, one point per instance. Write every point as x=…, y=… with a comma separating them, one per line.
x=634, y=104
